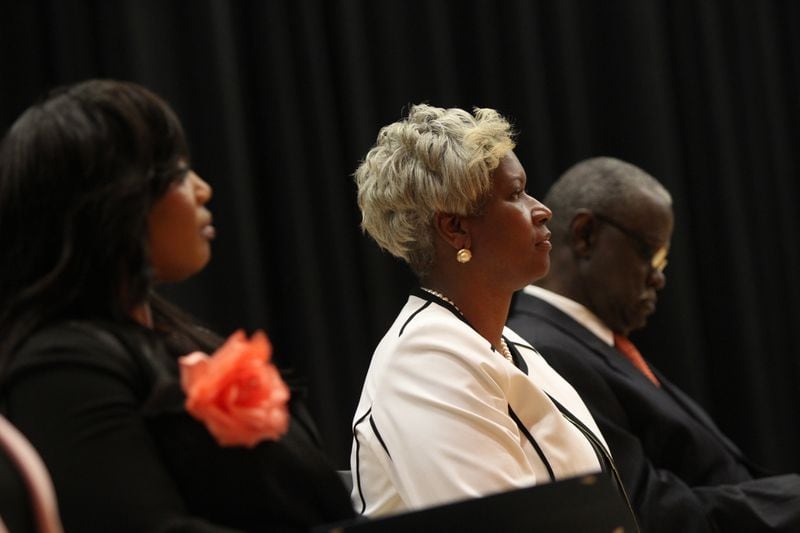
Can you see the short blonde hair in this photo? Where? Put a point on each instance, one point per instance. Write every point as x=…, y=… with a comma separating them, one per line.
x=434, y=160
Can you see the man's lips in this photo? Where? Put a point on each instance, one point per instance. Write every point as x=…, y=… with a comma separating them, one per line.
x=649, y=305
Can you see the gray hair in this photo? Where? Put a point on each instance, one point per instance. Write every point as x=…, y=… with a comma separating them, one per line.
x=603, y=184
x=434, y=160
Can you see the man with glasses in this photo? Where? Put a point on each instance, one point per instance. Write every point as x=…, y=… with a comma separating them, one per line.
x=611, y=229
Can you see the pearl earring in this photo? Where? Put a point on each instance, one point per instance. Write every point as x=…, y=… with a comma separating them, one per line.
x=463, y=255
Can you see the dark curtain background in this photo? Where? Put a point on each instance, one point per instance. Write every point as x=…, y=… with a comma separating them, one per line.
x=281, y=99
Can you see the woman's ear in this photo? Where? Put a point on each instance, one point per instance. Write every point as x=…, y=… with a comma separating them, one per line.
x=452, y=229
x=583, y=232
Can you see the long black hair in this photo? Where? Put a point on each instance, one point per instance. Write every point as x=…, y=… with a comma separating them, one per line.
x=79, y=173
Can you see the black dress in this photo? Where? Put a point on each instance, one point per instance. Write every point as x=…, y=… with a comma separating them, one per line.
x=102, y=404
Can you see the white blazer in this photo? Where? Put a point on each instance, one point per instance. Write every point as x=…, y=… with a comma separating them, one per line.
x=444, y=417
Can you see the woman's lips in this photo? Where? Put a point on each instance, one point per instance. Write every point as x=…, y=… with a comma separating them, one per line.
x=209, y=232
x=545, y=243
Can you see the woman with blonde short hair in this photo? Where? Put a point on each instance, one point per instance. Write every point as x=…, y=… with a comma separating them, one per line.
x=455, y=405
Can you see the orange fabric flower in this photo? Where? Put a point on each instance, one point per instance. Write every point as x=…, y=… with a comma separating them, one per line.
x=237, y=393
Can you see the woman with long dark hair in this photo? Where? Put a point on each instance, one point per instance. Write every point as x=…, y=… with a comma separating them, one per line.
x=98, y=204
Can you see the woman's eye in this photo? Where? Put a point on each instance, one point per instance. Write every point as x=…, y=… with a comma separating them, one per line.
x=178, y=177
x=182, y=166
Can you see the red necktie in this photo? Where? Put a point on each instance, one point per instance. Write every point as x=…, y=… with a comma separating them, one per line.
x=627, y=349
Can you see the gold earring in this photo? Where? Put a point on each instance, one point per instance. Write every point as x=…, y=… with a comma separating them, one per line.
x=463, y=255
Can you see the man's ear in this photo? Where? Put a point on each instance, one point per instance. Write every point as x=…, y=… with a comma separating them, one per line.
x=583, y=232
x=452, y=229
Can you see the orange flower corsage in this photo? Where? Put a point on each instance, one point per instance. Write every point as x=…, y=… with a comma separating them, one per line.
x=237, y=392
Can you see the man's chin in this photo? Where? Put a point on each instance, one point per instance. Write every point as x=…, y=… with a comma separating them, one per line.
x=640, y=324
x=634, y=323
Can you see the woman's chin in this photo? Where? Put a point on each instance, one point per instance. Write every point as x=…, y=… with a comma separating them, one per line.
x=540, y=271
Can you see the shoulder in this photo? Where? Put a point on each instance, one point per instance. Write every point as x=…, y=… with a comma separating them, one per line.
x=429, y=326
x=539, y=360
x=426, y=343
x=429, y=338
x=115, y=349
x=565, y=353
x=515, y=338
x=545, y=345
x=582, y=365
x=552, y=332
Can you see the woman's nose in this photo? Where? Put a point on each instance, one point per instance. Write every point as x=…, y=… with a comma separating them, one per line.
x=540, y=212
x=203, y=190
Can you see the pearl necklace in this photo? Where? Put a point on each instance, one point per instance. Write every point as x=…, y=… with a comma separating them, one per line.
x=442, y=297
x=504, y=351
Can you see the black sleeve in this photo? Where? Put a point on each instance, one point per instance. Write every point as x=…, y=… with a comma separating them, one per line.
x=80, y=410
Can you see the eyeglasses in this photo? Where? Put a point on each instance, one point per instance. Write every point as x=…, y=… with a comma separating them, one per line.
x=656, y=258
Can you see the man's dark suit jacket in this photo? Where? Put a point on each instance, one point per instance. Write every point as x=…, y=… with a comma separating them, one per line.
x=680, y=471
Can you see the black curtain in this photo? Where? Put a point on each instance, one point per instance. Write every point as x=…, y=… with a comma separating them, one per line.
x=281, y=99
